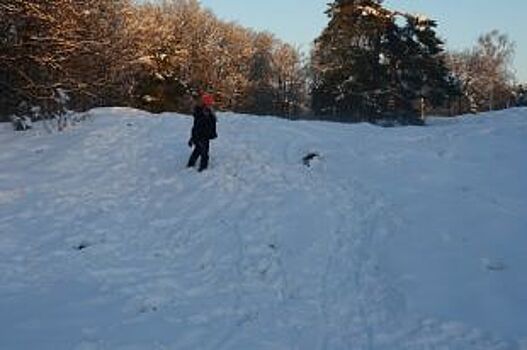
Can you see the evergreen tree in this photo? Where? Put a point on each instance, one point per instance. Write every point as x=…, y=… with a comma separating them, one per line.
x=367, y=65
x=416, y=66
x=348, y=74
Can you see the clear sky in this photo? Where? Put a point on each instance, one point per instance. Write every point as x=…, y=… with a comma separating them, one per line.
x=460, y=21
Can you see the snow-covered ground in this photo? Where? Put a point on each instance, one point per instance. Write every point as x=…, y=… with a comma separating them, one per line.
x=404, y=238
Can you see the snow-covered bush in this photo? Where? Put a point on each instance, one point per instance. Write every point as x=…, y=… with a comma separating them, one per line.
x=21, y=123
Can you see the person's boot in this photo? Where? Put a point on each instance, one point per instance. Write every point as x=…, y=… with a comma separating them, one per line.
x=193, y=159
x=204, y=164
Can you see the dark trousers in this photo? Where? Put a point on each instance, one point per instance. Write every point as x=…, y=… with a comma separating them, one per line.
x=201, y=149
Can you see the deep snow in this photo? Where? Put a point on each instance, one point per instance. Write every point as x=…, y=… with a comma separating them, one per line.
x=404, y=238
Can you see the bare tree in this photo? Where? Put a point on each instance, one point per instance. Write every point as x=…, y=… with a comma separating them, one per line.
x=150, y=55
x=52, y=47
x=485, y=73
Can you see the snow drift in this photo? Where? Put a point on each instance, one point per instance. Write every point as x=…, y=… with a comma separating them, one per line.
x=404, y=238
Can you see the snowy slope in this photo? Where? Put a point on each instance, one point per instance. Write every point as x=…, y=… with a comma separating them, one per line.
x=406, y=238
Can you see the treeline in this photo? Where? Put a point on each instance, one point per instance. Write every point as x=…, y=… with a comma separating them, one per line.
x=148, y=55
x=369, y=63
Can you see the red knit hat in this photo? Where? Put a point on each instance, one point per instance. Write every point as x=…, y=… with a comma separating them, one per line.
x=208, y=100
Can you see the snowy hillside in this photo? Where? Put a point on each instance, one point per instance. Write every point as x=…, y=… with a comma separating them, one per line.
x=405, y=238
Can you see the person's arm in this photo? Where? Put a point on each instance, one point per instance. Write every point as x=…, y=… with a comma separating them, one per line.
x=193, y=130
x=213, y=121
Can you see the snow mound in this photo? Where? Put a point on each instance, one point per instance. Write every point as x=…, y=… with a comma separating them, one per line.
x=403, y=238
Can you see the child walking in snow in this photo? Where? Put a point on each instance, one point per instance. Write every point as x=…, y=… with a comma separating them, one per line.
x=203, y=130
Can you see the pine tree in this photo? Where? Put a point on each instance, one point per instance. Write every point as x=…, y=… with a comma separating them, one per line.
x=348, y=75
x=367, y=65
x=416, y=66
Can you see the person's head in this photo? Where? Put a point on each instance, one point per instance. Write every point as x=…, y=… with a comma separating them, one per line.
x=207, y=100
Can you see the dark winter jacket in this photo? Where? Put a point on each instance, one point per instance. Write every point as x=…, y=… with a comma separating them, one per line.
x=204, y=128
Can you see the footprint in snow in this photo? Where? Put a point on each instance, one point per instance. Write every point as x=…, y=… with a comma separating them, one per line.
x=495, y=265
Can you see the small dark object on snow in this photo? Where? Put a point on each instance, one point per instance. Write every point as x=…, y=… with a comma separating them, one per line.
x=147, y=309
x=272, y=246
x=82, y=246
x=495, y=266
x=310, y=157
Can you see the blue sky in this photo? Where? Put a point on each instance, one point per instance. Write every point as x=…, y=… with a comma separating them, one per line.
x=460, y=21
